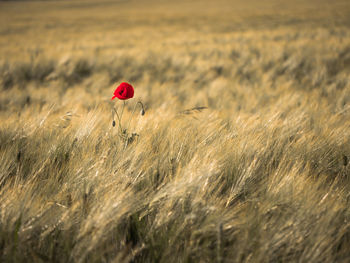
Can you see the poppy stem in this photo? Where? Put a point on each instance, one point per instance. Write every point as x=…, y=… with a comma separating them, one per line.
x=121, y=115
x=132, y=114
x=119, y=120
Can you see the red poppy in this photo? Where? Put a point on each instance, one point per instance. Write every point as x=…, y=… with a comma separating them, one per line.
x=124, y=91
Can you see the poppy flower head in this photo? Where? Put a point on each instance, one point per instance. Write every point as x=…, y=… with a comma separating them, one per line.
x=124, y=91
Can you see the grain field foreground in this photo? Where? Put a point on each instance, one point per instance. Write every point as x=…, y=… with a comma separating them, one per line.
x=242, y=155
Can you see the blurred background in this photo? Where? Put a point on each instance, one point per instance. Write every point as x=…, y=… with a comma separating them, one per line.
x=170, y=48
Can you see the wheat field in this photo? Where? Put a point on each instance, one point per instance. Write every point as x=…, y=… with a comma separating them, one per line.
x=242, y=154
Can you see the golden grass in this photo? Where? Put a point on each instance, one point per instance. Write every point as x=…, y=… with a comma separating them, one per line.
x=260, y=174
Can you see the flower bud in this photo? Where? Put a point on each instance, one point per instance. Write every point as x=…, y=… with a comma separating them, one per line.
x=113, y=123
x=142, y=112
x=345, y=160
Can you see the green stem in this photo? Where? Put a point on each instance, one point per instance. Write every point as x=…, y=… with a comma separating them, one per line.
x=121, y=115
x=119, y=120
